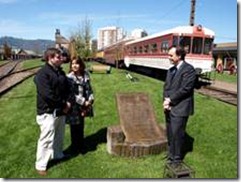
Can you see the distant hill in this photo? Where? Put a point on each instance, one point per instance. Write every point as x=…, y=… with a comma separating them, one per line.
x=38, y=45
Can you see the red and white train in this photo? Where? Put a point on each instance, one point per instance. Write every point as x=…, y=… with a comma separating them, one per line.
x=152, y=51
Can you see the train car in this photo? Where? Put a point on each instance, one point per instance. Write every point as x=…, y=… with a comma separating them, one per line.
x=152, y=51
x=99, y=57
x=114, y=54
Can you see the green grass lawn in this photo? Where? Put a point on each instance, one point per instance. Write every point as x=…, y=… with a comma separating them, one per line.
x=2, y=62
x=32, y=63
x=214, y=129
x=225, y=77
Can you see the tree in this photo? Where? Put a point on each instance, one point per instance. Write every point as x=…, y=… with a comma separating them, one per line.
x=81, y=40
x=7, y=51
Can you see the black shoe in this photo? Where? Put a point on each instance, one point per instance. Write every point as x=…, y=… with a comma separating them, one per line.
x=177, y=161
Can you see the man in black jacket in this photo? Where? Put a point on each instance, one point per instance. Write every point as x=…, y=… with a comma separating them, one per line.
x=52, y=105
x=178, y=104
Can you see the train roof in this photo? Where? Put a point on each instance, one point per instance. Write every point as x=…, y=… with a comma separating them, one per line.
x=176, y=30
x=122, y=41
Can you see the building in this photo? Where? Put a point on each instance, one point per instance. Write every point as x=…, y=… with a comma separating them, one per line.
x=61, y=41
x=108, y=36
x=138, y=33
x=24, y=54
x=225, y=56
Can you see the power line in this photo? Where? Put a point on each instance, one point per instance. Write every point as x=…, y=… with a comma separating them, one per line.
x=174, y=7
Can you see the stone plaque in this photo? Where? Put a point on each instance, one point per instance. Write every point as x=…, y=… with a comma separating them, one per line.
x=138, y=133
x=137, y=118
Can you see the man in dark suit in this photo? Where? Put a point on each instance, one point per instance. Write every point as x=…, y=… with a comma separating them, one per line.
x=178, y=101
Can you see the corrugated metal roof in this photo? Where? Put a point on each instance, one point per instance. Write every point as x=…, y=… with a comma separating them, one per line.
x=227, y=44
x=230, y=46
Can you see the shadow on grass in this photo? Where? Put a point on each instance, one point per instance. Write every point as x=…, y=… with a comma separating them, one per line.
x=188, y=145
x=92, y=141
x=199, y=84
x=90, y=144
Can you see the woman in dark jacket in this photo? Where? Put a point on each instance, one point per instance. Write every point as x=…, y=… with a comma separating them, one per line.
x=82, y=106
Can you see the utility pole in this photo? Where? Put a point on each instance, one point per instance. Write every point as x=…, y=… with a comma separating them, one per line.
x=192, y=14
x=117, y=51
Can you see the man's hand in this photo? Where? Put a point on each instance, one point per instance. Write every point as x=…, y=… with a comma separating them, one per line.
x=166, y=103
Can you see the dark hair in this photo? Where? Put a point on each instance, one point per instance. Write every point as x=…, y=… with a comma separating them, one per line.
x=180, y=51
x=65, y=53
x=50, y=53
x=80, y=62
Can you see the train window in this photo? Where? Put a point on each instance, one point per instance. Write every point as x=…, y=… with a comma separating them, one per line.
x=208, y=46
x=140, y=49
x=164, y=47
x=146, y=48
x=175, y=41
x=197, y=45
x=135, y=50
x=185, y=42
x=154, y=47
x=131, y=50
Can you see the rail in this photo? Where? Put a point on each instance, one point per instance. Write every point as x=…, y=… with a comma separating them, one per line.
x=8, y=68
x=219, y=94
x=11, y=80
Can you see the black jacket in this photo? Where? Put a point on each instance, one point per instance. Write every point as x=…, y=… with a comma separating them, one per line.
x=52, y=89
x=180, y=89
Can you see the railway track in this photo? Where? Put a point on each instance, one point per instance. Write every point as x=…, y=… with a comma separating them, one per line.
x=11, y=74
x=223, y=95
x=9, y=68
x=219, y=94
x=216, y=92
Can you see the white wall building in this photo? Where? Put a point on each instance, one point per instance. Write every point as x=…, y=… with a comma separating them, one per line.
x=138, y=33
x=108, y=36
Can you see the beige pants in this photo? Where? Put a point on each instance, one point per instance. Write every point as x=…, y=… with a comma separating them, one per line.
x=50, y=142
